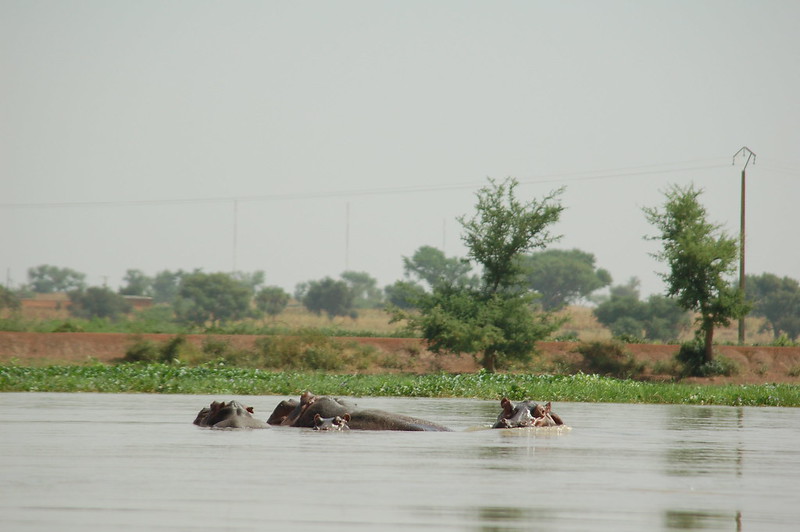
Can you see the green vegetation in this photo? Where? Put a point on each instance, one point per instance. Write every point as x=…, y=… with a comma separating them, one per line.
x=98, y=302
x=563, y=276
x=309, y=350
x=778, y=300
x=701, y=258
x=46, y=279
x=219, y=379
x=694, y=363
x=610, y=359
x=212, y=297
x=495, y=320
x=332, y=297
x=630, y=319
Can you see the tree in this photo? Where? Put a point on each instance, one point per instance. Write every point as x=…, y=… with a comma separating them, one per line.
x=778, y=301
x=332, y=297
x=658, y=318
x=272, y=300
x=563, y=276
x=165, y=286
x=251, y=280
x=9, y=300
x=214, y=297
x=404, y=294
x=701, y=258
x=496, y=319
x=98, y=302
x=431, y=266
x=46, y=279
x=137, y=284
x=366, y=293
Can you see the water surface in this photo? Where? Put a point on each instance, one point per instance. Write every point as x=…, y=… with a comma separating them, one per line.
x=87, y=462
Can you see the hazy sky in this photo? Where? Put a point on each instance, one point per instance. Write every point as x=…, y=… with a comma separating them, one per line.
x=306, y=138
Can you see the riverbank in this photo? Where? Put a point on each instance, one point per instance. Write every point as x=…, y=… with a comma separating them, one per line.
x=226, y=381
x=757, y=364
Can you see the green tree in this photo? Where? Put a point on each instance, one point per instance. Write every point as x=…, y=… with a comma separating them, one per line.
x=46, y=279
x=272, y=300
x=136, y=284
x=701, y=258
x=431, y=266
x=98, y=302
x=9, y=300
x=334, y=298
x=623, y=313
x=778, y=301
x=366, y=293
x=495, y=320
x=404, y=294
x=658, y=318
x=165, y=286
x=251, y=280
x=212, y=297
x=563, y=276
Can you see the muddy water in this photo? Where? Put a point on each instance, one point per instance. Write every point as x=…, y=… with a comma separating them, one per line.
x=135, y=462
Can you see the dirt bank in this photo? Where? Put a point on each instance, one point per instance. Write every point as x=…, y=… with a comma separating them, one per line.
x=758, y=364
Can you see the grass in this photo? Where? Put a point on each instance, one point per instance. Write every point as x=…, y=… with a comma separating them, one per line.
x=220, y=379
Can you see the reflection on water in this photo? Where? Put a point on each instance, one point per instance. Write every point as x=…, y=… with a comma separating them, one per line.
x=709, y=441
x=87, y=462
x=699, y=520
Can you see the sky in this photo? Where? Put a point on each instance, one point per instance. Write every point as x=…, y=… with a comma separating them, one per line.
x=304, y=139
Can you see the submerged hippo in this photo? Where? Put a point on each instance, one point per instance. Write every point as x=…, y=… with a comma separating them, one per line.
x=526, y=414
x=230, y=415
x=303, y=413
x=332, y=423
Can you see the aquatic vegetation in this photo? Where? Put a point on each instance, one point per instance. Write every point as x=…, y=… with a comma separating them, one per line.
x=218, y=378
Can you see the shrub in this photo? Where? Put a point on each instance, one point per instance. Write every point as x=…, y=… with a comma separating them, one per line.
x=310, y=350
x=691, y=357
x=143, y=350
x=609, y=358
x=783, y=341
x=68, y=326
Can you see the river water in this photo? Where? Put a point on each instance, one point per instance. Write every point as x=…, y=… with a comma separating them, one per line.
x=102, y=462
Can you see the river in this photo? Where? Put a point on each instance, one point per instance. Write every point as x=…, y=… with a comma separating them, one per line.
x=86, y=462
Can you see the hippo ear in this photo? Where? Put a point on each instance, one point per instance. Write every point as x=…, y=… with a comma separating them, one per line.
x=317, y=419
x=346, y=417
x=507, y=406
x=250, y=409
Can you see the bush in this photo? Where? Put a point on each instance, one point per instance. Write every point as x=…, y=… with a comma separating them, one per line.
x=143, y=350
x=691, y=357
x=311, y=350
x=783, y=341
x=609, y=358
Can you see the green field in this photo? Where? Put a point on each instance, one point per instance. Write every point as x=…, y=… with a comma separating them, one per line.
x=221, y=380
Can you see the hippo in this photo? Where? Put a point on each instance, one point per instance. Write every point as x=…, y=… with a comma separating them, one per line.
x=230, y=415
x=526, y=414
x=292, y=413
x=331, y=423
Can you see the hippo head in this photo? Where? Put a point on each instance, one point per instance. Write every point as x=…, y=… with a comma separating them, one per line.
x=515, y=415
x=331, y=423
x=526, y=414
x=232, y=414
x=543, y=416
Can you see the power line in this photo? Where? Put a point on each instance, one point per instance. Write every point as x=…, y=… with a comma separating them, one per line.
x=625, y=172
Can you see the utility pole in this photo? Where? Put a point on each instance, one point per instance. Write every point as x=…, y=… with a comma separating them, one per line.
x=235, y=232
x=347, y=238
x=744, y=150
